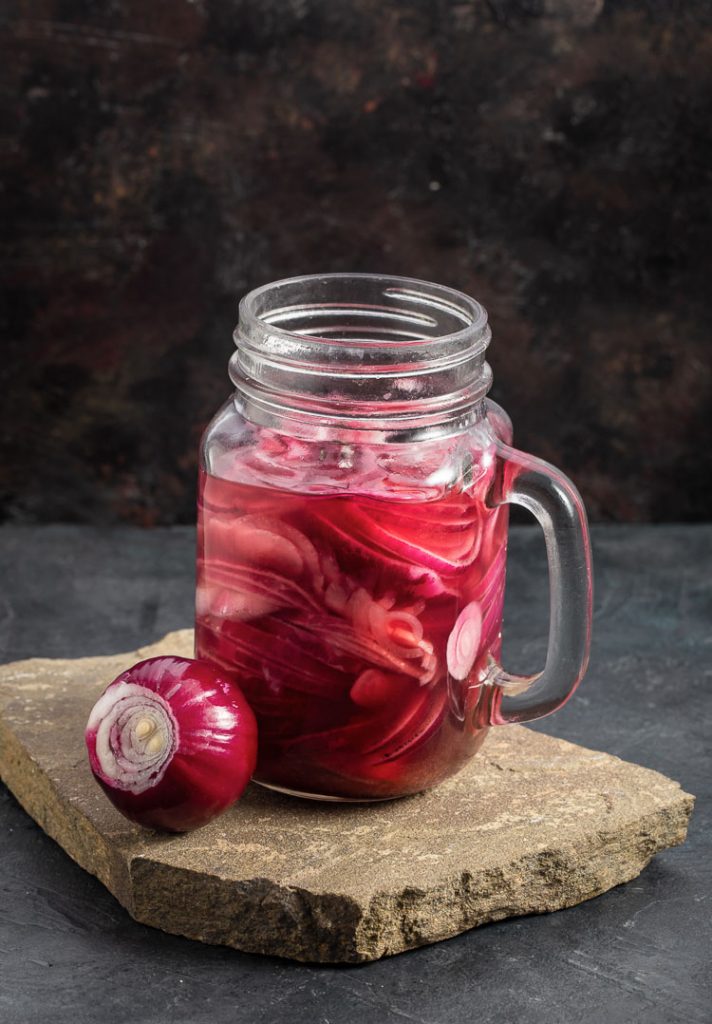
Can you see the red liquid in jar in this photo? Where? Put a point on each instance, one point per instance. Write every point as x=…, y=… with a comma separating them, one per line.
x=359, y=628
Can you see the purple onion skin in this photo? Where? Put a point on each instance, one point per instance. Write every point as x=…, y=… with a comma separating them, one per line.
x=206, y=732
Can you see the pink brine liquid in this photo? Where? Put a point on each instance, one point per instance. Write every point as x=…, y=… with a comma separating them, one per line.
x=360, y=629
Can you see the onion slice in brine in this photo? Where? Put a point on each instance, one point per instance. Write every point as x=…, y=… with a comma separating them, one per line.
x=464, y=641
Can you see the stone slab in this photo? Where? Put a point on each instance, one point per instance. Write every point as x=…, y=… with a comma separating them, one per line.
x=533, y=824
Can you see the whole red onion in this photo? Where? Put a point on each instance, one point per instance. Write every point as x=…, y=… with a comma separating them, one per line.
x=173, y=743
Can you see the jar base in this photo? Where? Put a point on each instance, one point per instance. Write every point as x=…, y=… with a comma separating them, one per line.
x=325, y=799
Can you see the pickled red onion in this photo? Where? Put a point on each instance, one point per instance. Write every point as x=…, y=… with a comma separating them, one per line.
x=464, y=641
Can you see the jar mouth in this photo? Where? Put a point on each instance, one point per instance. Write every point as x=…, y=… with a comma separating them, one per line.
x=364, y=310
x=362, y=348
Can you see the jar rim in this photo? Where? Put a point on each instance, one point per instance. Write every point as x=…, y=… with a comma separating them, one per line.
x=414, y=290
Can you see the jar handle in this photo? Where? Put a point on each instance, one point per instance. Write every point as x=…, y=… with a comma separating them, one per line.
x=556, y=504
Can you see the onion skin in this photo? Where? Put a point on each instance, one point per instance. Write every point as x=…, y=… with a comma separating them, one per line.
x=172, y=742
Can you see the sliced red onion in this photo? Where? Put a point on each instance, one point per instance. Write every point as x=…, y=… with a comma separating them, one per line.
x=233, y=605
x=421, y=580
x=256, y=591
x=464, y=641
x=251, y=540
x=342, y=636
x=435, y=544
x=337, y=614
x=172, y=742
x=371, y=689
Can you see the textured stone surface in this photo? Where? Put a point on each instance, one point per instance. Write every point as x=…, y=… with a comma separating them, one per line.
x=533, y=824
x=550, y=157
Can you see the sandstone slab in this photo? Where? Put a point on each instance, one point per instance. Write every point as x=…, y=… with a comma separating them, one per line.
x=532, y=825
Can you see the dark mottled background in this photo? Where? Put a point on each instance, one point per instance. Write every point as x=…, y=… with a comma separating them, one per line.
x=551, y=157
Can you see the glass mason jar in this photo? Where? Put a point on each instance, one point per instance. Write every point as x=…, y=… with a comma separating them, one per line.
x=352, y=537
